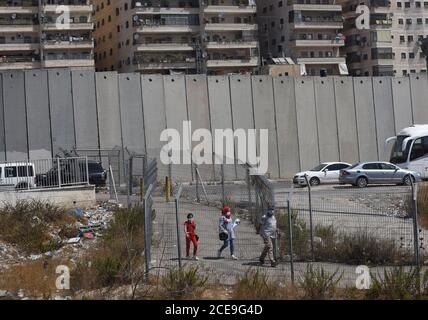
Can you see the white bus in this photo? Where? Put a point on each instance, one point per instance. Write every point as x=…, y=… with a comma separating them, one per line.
x=410, y=149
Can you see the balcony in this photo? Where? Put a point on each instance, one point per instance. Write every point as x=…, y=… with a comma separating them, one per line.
x=151, y=29
x=317, y=43
x=230, y=9
x=232, y=44
x=73, y=8
x=321, y=60
x=18, y=46
x=163, y=47
x=165, y=65
x=230, y=27
x=232, y=62
x=318, y=24
x=19, y=62
x=163, y=10
x=8, y=10
x=69, y=63
x=68, y=26
x=317, y=7
x=57, y=44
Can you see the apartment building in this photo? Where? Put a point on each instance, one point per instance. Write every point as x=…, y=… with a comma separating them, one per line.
x=46, y=34
x=409, y=26
x=307, y=31
x=391, y=44
x=164, y=37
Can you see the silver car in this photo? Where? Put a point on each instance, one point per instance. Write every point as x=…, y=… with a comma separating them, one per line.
x=365, y=173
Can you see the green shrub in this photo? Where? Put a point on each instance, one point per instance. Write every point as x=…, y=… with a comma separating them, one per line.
x=318, y=284
x=118, y=259
x=301, y=236
x=255, y=285
x=183, y=283
x=27, y=225
x=399, y=284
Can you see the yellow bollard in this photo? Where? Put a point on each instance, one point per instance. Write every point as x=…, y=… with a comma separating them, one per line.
x=167, y=188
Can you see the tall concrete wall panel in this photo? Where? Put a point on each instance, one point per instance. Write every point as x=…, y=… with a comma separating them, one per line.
x=366, y=123
x=39, y=127
x=176, y=114
x=346, y=119
x=264, y=118
x=199, y=114
x=307, y=123
x=241, y=100
x=2, y=136
x=131, y=113
x=384, y=112
x=419, y=90
x=154, y=116
x=286, y=122
x=221, y=118
x=109, y=123
x=15, y=120
x=402, y=103
x=85, y=109
x=61, y=110
x=326, y=119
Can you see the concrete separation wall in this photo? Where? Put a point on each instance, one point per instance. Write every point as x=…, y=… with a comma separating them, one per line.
x=310, y=119
x=66, y=198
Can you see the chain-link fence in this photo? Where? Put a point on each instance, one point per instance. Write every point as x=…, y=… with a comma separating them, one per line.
x=336, y=227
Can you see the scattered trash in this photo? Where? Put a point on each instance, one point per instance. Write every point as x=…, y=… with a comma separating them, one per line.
x=78, y=212
x=73, y=240
x=35, y=257
x=3, y=293
x=88, y=235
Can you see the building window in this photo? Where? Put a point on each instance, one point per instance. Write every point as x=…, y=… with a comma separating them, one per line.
x=403, y=55
x=406, y=4
x=411, y=55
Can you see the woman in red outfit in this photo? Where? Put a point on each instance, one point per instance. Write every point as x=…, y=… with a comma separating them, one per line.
x=191, y=237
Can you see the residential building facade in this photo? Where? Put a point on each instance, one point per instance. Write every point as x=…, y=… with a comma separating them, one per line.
x=46, y=34
x=194, y=36
x=307, y=31
x=390, y=46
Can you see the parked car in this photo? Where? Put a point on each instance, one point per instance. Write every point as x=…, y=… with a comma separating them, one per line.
x=73, y=172
x=327, y=172
x=365, y=173
x=17, y=175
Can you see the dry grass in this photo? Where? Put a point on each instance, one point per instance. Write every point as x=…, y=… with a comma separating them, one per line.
x=36, y=279
x=423, y=204
x=118, y=259
x=256, y=285
x=27, y=225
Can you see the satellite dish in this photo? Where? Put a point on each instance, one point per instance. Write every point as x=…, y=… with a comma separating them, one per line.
x=136, y=18
x=136, y=36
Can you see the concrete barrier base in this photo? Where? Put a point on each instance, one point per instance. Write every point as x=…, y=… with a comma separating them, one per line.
x=83, y=197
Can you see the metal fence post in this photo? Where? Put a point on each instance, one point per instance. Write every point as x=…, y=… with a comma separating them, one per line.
x=87, y=170
x=311, y=225
x=198, y=198
x=415, y=222
x=147, y=235
x=222, y=185
x=290, y=240
x=177, y=221
x=59, y=172
x=250, y=200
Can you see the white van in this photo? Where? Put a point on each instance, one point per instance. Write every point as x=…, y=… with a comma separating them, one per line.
x=17, y=175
